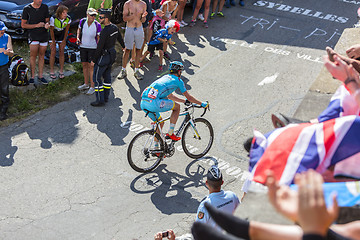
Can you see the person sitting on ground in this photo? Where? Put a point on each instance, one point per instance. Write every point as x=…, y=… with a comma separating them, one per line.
x=59, y=29
x=225, y=201
x=157, y=41
x=158, y=98
x=87, y=37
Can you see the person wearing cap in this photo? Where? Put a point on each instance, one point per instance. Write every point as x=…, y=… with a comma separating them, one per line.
x=134, y=14
x=100, y=4
x=88, y=34
x=226, y=201
x=35, y=18
x=6, y=50
x=159, y=38
x=104, y=57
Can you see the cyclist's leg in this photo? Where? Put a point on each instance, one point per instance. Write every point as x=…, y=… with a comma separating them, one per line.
x=174, y=117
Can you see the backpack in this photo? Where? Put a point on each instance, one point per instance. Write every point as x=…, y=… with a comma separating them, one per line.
x=117, y=11
x=71, y=42
x=18, y=71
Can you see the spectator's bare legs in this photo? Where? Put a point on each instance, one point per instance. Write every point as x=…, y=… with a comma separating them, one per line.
x=41, y=59
x=161, y=53
x=197, y=9
x=52, y=57
x=206, y=9
x=144, y=56
x=34, y=51
x=133, y=54
x=86, y=70
x=91, y=73
x=125, y=57
x=137, y=58
x=215, y=3
x=221, y=5
x=146, y=31
x=61, y=57
x=180, y=12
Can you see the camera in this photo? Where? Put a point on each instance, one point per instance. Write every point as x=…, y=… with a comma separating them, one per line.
x=165, y=234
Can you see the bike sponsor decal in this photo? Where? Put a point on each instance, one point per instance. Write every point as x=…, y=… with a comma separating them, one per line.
x=301, y=11
x=269, y=49
x=223, y=165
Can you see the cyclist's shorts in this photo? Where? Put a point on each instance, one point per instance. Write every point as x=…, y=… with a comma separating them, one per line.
x=156, y=106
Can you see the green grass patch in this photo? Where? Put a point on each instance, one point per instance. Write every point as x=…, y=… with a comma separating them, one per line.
x=26, y=102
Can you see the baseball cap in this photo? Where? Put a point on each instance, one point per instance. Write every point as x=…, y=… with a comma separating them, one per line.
x=214, y=174
x=91, y=11
x=2, y=26
x=106, y=12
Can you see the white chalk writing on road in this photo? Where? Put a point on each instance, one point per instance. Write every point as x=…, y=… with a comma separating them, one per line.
x=269, y=49
x=301, y=11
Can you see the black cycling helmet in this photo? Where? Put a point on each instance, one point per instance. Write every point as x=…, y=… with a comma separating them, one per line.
x=176, y=66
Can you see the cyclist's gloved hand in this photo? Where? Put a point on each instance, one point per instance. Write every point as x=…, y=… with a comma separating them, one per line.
x=187, y=102
x=205, y=104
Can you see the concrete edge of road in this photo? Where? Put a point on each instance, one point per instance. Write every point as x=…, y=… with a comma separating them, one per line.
x=319, y=94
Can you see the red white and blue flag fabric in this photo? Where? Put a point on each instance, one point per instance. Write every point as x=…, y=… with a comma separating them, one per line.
x=299, y=147
x=341, y=104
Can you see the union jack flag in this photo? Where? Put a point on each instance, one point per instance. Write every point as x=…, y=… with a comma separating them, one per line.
x=299, y=147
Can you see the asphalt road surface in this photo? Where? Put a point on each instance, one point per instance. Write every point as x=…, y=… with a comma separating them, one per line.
x=64, y=171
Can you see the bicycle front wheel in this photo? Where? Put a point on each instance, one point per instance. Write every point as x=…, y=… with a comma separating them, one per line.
x=145, y=151
x=197, y=138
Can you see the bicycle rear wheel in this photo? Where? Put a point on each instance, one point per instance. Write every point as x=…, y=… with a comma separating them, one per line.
x=142, y=154
x=197, y=139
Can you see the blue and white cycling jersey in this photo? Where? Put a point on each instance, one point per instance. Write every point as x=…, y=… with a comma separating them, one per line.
x=162, y=33
x=164, y=86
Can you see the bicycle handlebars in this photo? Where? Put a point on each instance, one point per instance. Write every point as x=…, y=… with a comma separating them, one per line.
x=192, y=105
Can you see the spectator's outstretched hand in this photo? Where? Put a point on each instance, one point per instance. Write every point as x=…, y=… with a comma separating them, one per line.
x=313, y=216
x=284, y=200
x=340, y=69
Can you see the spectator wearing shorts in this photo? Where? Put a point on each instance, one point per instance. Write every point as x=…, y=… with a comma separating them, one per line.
x=35, y=18
x=59, y=29
x=87, y=36
x=134, y=14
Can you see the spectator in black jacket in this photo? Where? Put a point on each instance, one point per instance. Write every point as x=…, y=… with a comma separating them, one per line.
x=104, y=57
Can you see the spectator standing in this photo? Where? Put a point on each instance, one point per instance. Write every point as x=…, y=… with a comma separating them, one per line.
x=100, y=4
x=225, y=201
x=169, y=9
x=35, y=18
x=104, y=57
x=87, y=36
x=180, y=13
x=157, y=41
x=196, y=12
x=221, y=5
x=5, y=51
x=134, y=14
x=59, y=29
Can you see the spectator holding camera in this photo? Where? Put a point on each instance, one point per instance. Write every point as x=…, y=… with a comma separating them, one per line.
x=35, y=18
x=169, y=234
x=87, y=37
x=59, y=29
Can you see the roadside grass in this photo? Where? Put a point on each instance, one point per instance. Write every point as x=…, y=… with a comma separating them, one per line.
x=24, y=103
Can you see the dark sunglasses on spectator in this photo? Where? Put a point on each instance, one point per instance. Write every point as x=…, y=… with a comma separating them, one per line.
x=93, y=15
x=101, y=17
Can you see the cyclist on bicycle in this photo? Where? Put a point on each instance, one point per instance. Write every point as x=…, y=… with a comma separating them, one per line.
x=158, y=97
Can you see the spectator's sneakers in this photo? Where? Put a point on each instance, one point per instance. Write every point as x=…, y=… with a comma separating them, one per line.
x=43, y=80
x=192, y=23
x=206, y=25
x=241, y=2
x=83, y=87
x=220, y=14
x=160, y=68
x=138, y=75
x=181, y=25
x=201, y=17
x=166, y=56
x=31, y=80
x=212, y=15
x=122, y=74
x=90, y=91
x=184, y=23
x=97, y=104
